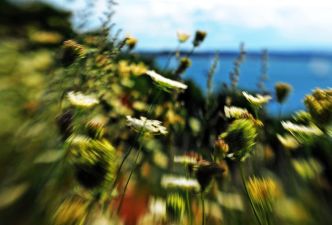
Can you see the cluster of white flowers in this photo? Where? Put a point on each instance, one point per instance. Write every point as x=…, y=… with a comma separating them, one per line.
x=186, y=160
x=170, y=181
x=165, y=82
x=157, y=207
x=235, y=112
x=301, y=129
x=257, y=100
x=81, y=100
x=152, y=126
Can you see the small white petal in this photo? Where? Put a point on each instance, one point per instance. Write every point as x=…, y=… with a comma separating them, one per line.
x=165, y=82
x=301, y=129
x=170, y=181
x=152, y=126
x=257, y=100
x=81, y=100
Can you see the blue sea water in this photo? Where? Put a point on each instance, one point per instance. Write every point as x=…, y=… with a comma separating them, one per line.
x=303, y=72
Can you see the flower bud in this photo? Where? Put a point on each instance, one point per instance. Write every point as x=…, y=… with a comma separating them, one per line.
x=199, y=37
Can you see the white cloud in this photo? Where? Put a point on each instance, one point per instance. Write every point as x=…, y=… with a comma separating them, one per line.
x=307, y=21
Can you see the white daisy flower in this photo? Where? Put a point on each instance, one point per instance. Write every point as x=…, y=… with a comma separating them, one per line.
x=235, y=112
x=170, y=181
x=257, y=100
x=165, y=82
x=81, y=100
x=152, y=126
x=301, y=129
x=186, y=160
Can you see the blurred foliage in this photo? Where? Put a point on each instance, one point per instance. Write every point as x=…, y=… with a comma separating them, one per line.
x=73, y=159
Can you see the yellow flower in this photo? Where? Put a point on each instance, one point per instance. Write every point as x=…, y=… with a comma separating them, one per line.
x=288, y=141
x=264, y=191
x=182, y=37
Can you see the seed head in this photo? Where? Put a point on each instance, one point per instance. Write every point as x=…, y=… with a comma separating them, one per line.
x=282, y=91
x=199, y=37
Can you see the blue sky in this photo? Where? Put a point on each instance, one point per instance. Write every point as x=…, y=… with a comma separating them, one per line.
x=272, y=24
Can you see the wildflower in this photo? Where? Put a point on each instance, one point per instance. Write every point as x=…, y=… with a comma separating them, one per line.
x=71, y=51
x=241, y=113
x=222, y=146
x=257, y=100
x=264, y=191
x=235, y=112
x=80, y=100
x=185, y=62
x=206, y=172
x=301, y=129
x=46, y=37
x=165, y=82
x=131, y=42
x=157, y=207
x=185, y=159
x=71, y=211
x=184, y=183
x=94, y=161
x=240, y=137
x=182, y=37
x=175, y=206
x=282, y=91
x=307, y=168
x=303, y=117
x=199, y=37
x=95, y=128
x=143, y=124
x=319, y=105
x=288, y=141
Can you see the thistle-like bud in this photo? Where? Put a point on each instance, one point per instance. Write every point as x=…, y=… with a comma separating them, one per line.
x=222, y=146
x=319, y=105
x=185, y=63
x=199, y=37
x=175, y=206
x=240, y=137
x=282, y=91
x=95, y=128
x=206, y=172
x=94, y=161
x=131, y=42
x=71, y=51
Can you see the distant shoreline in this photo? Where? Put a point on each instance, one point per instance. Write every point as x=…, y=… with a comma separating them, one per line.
x=252, y=54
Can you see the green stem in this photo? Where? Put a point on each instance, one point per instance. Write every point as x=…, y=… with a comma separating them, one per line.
x=128, y=180
x=170, y=56
x=250, y=200
x=189, y=208
x=203, y=209
x=280, y=111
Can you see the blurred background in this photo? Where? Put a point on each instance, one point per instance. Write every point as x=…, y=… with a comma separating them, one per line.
x=297, y=34
x=49, y=48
